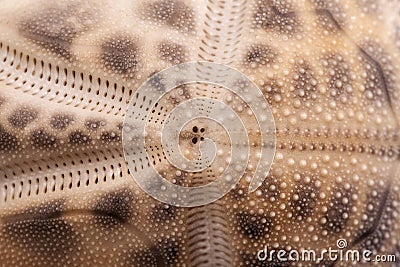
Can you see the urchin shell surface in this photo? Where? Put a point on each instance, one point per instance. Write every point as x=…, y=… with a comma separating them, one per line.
x=329, y=69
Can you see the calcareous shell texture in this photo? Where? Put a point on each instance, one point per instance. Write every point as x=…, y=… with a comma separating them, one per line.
x=328, y=69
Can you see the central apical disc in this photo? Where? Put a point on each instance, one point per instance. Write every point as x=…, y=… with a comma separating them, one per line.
x=139, y=136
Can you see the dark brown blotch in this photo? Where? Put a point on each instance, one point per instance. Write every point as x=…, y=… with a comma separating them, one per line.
x=340, y=204
x=304, y=203
x=147, y=257
x=169, y=249
x=8, y=141
x=339, y=77
x=31, y=236
x=51, y=210
x=259, y=55
x=22, y=116
x=108, y=137
x=105, y=222
x=164, y=212
x=270, y=187
x=41, y=231
x=77, y=137
x=61, y=121
x=253, y=226
x=171, y=52
x=116, y=205
x=42, y=139
x=164, y=253
x=54, y=29
x=304, y=82
x=173, y=13
x=120, y=54
x=277, y=16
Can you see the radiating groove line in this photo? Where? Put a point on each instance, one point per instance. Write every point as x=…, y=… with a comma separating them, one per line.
x=208, y=232
x=29, y=79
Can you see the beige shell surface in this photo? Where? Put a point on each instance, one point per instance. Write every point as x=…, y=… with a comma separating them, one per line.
x=330, y=71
